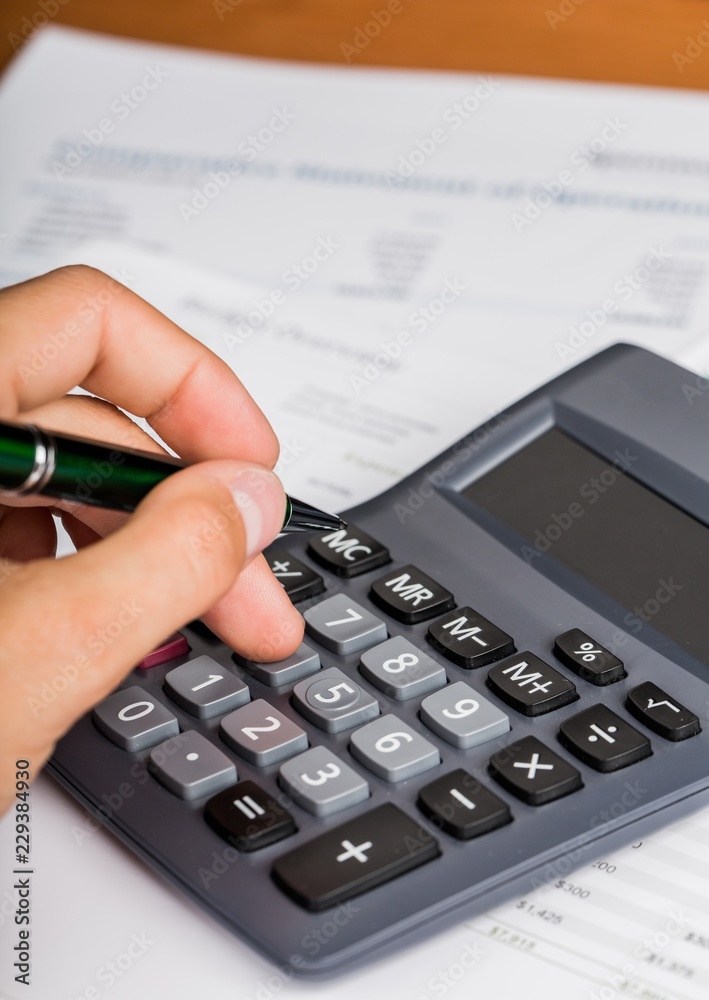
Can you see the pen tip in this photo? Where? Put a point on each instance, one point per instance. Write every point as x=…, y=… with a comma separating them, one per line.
x=304, y=517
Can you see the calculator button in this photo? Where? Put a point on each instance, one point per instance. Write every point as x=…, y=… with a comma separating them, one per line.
x=461, y=806
x=261, y=734
x=302, y=663
x=533, y=772
x=134, y=720
x=248, y=817
x=462, y=717
x=401, y=670
x=298, y=580
x=333, y=702
x=665, y=716
x=601, y=739
x=205, y=688
x=190, y=766
x=321, y=783
x=343, y=626
x=173, y=647
x=392, y=750
x=348, y=551
x=468, y=639
x=365, y=852
x=530, y=685
x=410, y=596
x=588, y=658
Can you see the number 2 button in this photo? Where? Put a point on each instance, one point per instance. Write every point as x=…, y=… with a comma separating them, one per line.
x=261, y=734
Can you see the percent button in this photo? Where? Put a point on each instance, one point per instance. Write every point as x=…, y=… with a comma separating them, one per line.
x=587, y=658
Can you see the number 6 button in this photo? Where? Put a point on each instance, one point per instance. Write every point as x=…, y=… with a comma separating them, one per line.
x=392, y=750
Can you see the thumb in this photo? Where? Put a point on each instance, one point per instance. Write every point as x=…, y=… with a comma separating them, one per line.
x=76, y=626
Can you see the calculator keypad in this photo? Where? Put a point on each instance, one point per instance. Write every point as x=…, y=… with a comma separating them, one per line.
x=376, y=744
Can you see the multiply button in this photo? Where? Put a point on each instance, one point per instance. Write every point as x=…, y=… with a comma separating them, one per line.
x=410, y=596
x=587, y=658
x=468, y=639
x=348, y=551
x=369, y=850
x=601, y=739
x=665, y=716
x=533, y=772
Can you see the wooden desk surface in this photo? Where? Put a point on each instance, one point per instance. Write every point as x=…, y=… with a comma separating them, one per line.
x=662, y=42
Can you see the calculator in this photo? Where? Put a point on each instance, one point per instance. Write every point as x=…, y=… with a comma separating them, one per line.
x=504, y=675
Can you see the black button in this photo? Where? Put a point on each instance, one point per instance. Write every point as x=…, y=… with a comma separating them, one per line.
x=461, y=806
x=299, y=581
x=468, y=639
x=348, y=551
x=587, y=658
x=410, y=596
x=533, y=772
x=665, y=716
x=371, y=849
x=248, y=817
x=530, y=685
x=601, y=739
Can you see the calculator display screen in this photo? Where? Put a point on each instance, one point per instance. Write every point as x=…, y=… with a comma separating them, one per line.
x=570, y=504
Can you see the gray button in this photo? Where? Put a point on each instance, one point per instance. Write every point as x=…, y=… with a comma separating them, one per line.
x=343, y=626
x=205, y=688
x=190, y=766
x=392, y=750
x=333, y=702
x=302, y=663
x=261, y=734
x=462, y=717
x=134, y=719
x=401, y=670
x=321, y=783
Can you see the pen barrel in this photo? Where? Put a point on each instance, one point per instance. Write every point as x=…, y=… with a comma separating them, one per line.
x=18, y=449
x=96, y=474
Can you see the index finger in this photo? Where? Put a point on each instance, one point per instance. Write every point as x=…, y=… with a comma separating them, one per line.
x=77, y=326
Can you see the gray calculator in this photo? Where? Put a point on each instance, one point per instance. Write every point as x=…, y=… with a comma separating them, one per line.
x=505, y=674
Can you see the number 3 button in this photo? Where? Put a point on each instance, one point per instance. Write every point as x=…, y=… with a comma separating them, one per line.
x=321, y=783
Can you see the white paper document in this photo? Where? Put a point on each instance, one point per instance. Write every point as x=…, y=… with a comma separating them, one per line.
x=386, y=259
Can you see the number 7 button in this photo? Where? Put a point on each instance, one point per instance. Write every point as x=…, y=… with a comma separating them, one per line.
x=343, y=626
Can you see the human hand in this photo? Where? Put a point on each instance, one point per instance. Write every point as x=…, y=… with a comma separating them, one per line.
x=191, y=549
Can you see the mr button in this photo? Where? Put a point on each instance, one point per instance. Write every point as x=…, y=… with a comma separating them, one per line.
x=410, y=596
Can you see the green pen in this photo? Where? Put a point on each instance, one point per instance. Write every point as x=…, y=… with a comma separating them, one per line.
x=33, y=460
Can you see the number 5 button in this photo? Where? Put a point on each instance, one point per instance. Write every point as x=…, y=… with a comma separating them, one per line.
x=321, y=783
x=333, y=702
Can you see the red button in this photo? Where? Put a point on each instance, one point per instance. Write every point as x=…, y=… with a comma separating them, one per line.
x=173, y=647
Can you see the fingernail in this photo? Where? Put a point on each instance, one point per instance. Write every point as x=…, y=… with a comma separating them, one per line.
x=261, y=501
